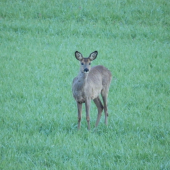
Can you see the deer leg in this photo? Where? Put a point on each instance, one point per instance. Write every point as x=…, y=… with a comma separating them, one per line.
x=99, y=105
x=79, y=106
x=87, y=104
x=104, y=96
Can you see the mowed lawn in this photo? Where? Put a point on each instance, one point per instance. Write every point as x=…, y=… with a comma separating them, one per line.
x=38, y=115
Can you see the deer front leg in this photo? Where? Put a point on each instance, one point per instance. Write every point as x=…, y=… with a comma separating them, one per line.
x=79, y=106
x=87, y=104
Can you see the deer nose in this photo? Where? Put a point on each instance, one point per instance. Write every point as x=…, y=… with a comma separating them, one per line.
x=86, y=70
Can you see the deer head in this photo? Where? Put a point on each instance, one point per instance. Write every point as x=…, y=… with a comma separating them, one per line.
x=85, y=63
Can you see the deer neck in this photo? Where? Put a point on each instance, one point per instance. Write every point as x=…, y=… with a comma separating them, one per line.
x=82, y=79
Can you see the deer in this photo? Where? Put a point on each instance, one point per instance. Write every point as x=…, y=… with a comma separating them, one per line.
x=88, y=85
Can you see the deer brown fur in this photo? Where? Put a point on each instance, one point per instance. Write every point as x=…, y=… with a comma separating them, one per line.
x=89, y=84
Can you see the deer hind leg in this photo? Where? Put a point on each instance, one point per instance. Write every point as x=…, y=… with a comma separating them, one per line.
x=104, y=96
x=99, y=105
x=79, y=106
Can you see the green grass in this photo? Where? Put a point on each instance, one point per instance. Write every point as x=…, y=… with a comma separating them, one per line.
x=38, y=115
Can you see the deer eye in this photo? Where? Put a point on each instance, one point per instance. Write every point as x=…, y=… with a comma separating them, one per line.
x=82, y=63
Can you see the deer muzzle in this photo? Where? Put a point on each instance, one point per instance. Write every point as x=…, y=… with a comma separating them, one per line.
x=86, y=70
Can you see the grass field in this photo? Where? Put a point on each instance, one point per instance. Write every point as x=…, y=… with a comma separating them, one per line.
x=38, y=115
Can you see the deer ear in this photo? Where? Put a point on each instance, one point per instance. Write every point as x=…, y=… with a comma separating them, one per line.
x=93, y=55
x=78, y=56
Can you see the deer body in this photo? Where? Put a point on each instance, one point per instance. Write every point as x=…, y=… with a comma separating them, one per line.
x=89, y=84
